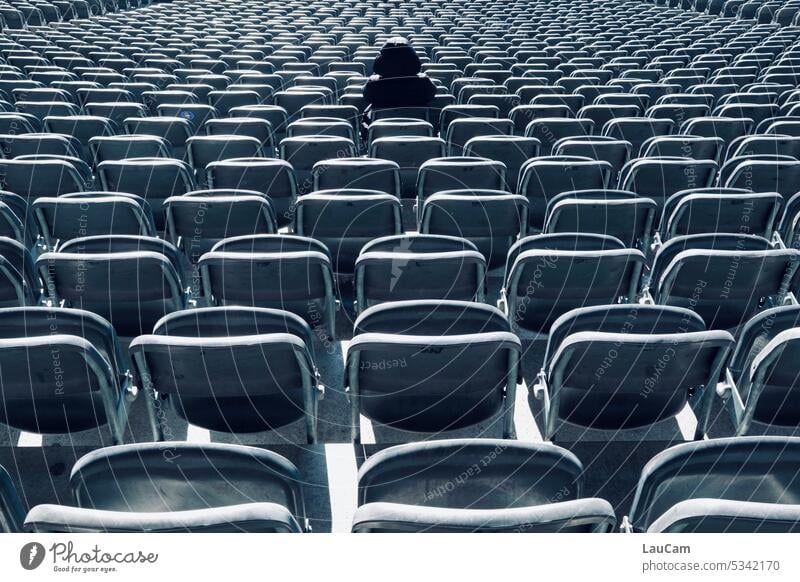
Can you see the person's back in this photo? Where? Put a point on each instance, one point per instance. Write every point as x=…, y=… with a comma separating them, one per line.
x=396, y=79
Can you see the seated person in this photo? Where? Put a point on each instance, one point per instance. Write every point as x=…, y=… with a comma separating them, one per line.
x=396, y=80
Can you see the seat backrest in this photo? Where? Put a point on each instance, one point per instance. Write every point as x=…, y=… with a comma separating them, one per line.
x=127, y=477
x=617, y=213
x=544, y=177
x=414, y=479
x=543, y=283
x=345, y=220
x=275, y=178
x=660, y=177
x=104, y=265
x=458, y=173
x=511, y=150
x=401, y=267
x=32, y=178
x=154, y=179
x=740, y=469
x=727, y=287
x=200, y=221
x=357, y=173
x=301, y=266
x=72, y=216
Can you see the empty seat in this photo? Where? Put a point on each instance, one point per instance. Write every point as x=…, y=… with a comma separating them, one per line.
x=688, y=488
x=490, y=219
x=275, y=178
x=638, y=130
x=597, y=147
x=762, y=173
x=183, y=487
x=460, y=131
x=430, y=366
x=396, y=268
x=304, y=152
x=32, y=178
x=686, y=146
x=620, y=367
x=173, y=130
x=760, y=383
x=548, y=275
x=16, y=222
x=39, y=143
x=618, y=213
x=544, y=177
x=244, y=271
x=726, y=278
x=550, y=130
x=197, y=220
x=398, y=127
x=91, y=391
x=406, y=489
x=660, y=177
x=512, y=150
x=19, y=283
x=357, y=173
x=154, y=179
x=259, y=129
x=91, y=213
x=122, y=147
x=132, y=281
x=231, y=369
x=409, y=153
x=345, y=220
x=456, y=173
x=733, y=210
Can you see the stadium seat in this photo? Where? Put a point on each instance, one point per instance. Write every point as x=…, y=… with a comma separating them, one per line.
x=244, y=271
x=405, y=489
x=431, y=366
x=726, y=278
x=618, y=213
x=761, y=375
x=732, y=210
x=154, y=179
x=231, y=369
x=178, y=487
x=544, y=177
x=457, y=173
x=80, y=214
x=664, y=358
x=345, y=220
x=93, y=391
x=687, y=488
x=492, y=220
x=548, y=275
x=409, y=152
x=418, y=266
x=104, y=267
x=197, y=220
x=357, y=173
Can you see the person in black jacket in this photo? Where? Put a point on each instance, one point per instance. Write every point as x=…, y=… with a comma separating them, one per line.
x=396, y=80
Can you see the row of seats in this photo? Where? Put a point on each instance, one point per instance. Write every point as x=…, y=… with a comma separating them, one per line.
x=725, y=278
x=411, y=167
x=421, y=366
x=469, y=485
